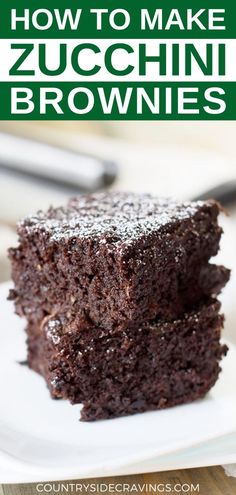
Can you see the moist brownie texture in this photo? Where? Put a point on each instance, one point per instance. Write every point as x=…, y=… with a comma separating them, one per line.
x=153, y=366
x=114, y=259
x=119, y=295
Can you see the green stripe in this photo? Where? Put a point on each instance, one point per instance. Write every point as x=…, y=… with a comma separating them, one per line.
x=88, y=26
x=97, y=110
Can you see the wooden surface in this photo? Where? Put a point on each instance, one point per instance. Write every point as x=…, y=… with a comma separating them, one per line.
x=211, y=481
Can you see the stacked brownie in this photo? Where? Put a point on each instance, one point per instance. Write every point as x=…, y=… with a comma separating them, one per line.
x=120, y=301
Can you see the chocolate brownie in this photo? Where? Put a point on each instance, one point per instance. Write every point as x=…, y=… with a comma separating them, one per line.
x=150, y=366
x=116, y=259
x=120, y=300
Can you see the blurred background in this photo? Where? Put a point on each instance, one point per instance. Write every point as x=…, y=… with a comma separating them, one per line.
x=43, y=163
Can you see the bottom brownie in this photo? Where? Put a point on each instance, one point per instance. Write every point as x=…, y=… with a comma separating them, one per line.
x=154, y=366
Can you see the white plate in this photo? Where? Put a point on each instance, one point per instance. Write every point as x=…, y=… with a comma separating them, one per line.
x=42, y=439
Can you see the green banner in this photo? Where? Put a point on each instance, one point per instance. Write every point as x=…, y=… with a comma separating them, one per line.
x=144, y=75
x=119, y=101
x=165, y=19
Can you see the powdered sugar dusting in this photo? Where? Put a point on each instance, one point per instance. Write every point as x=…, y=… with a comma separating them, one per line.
x=112, y=217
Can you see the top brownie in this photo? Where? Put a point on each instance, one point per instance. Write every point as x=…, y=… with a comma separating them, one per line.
x=114, y=259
